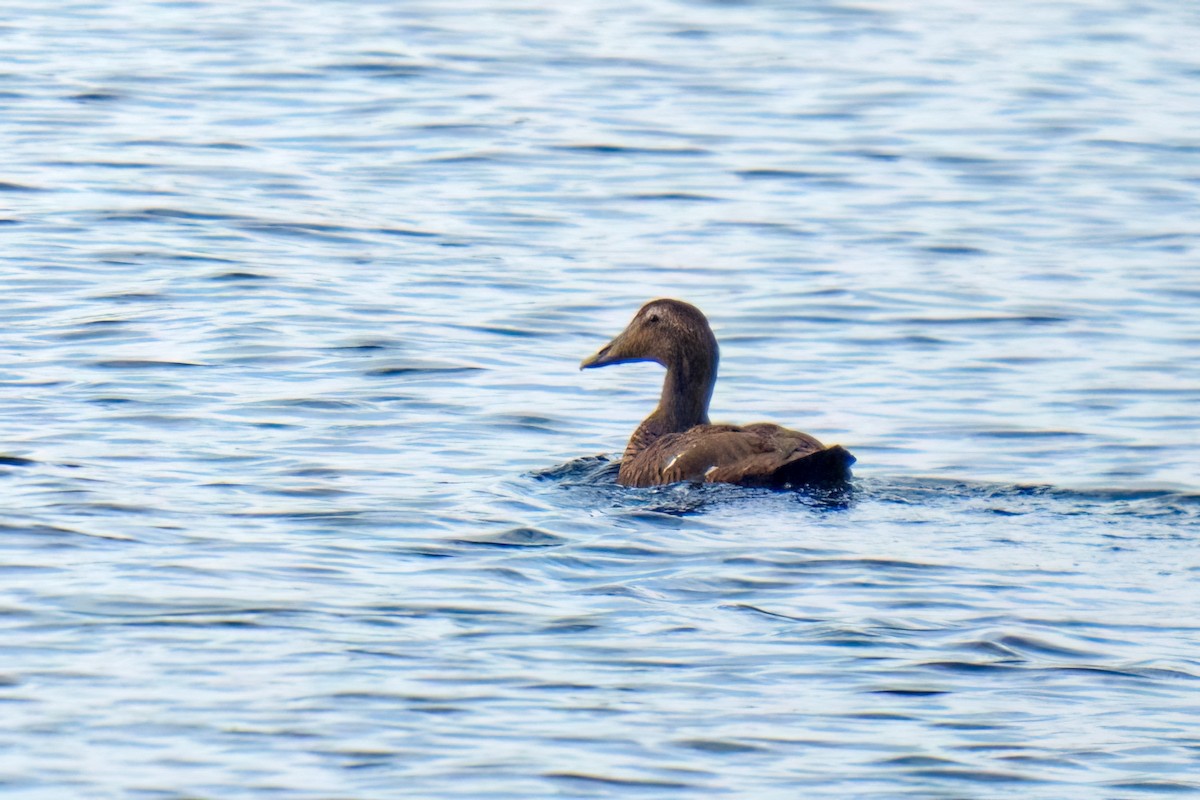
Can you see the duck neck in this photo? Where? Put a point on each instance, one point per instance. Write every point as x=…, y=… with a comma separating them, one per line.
x=686, y=392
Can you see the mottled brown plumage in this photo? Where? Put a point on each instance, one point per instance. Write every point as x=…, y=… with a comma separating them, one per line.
x=677, y=442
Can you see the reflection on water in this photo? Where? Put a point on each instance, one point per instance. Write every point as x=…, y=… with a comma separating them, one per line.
x=302, y=493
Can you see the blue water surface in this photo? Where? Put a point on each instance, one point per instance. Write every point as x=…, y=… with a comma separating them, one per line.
x=304, y=496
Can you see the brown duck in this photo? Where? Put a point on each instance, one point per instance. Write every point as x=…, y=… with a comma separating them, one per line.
x=677, y=442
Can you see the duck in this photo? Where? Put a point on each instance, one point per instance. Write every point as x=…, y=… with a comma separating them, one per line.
x=677, y=442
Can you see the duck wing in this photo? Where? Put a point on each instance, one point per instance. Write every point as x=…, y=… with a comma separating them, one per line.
x=762, y=454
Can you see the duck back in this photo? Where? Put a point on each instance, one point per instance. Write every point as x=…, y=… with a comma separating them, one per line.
x=762, y=454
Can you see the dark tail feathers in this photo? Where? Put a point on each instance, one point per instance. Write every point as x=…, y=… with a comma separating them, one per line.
x=824, y=467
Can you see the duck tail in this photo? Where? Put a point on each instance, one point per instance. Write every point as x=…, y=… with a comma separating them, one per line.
x=824, y=467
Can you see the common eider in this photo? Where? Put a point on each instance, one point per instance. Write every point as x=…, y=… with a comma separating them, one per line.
x=677, y=442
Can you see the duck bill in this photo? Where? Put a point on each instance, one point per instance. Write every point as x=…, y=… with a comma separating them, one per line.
x=612, y=353
x=601, y=358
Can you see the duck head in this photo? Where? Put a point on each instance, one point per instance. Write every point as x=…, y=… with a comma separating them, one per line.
x=676, y=335
x=672, y=333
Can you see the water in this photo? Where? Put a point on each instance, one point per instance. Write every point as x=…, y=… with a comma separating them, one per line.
x=300, y=488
